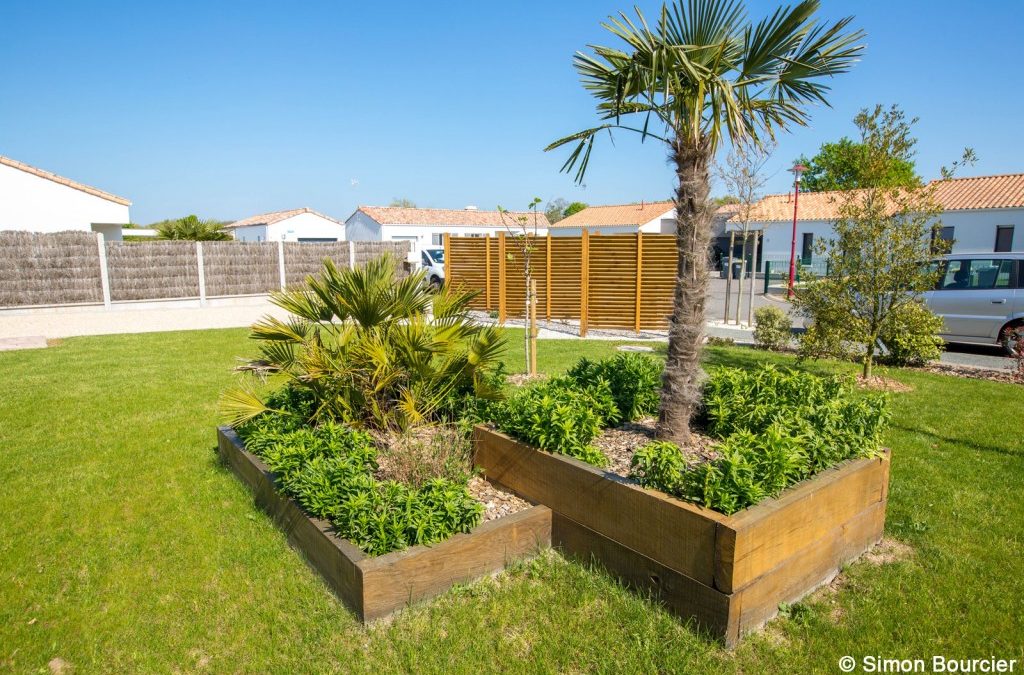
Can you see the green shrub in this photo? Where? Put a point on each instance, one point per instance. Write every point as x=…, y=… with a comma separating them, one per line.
x=329, y=470
x=911, y=336
x=558, y=416
x=660, y=465
x=777, y=427
x=372, y=349
x=772, y=328
x=634, y=380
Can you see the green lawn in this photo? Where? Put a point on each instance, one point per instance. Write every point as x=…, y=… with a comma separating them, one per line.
x=124, y=546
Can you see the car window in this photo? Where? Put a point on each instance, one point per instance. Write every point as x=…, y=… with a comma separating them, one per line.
x=977, y=274
x=426, y=260
x=438, y=255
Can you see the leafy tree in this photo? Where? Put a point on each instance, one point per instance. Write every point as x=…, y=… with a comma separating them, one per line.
x=702, y=75
x=843, y=165
x=724, y=200
x=403, y=202
x=573, y=208
x=873, y=294
x=554, y=210
x=191, y=228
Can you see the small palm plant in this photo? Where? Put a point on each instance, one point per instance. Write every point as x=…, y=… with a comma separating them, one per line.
x=192, y=228
x=373, y=349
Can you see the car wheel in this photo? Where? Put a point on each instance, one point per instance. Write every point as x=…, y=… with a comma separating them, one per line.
x=1011, y=337
x=435, y=283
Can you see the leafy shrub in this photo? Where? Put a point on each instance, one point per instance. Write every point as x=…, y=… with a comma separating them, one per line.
x=911, y=335
x=659, y=464
x=777, y=428
x=634, y=380
x=772, y=328
x=558, y=416
x=329, y=470
x=372, y=349
x=715, y=341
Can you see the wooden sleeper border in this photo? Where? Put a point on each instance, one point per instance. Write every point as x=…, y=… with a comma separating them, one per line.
x=374, y=587
x=729, y=573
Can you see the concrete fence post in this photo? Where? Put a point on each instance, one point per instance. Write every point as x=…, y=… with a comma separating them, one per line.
x=104, y=272
x=202, y=273
x=351, y=255
x=280, y=264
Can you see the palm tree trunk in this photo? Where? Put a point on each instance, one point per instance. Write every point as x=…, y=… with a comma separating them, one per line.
x=681, y=381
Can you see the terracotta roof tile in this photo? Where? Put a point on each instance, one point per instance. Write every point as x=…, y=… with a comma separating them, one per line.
x=622, y=215
x=276, y=217
x=957, y=194
x=400, y=215
x=95, y=192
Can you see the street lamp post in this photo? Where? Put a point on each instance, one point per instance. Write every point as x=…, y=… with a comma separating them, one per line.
x=797, y=170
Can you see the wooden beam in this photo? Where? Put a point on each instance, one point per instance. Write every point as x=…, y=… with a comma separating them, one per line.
x=447, y=258
x=584, y=281
x=639, y=276
x=502, y=309
x=547, y=279
x=487, y=272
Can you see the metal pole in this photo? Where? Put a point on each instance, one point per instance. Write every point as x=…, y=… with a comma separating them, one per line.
x=728, y=274
x=753, y=277
x=792, y=246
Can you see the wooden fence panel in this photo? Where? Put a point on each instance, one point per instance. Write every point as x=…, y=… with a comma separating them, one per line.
x=630, y=279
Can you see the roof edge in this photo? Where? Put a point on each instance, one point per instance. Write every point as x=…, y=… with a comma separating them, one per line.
x=61, y=180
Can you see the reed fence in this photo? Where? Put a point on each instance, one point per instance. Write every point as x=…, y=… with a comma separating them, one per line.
x=66, y=268
x=620, y=281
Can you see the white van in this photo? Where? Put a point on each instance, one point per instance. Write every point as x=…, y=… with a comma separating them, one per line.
x=980, y=297
x=432, y=260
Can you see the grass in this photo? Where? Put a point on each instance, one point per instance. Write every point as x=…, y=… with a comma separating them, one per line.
x=124, y=546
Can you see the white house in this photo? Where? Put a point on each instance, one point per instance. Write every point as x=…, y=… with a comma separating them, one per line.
x=426, y=228
x=646, y=217
x=34, y=200
x=303, y=225
x=984, y=214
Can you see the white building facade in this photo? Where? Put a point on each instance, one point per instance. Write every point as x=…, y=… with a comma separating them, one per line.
x=425, y=228
x=301, y=225
x=34, y=200
x=984, y=214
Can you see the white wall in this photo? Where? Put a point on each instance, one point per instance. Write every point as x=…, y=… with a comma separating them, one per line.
x=361, y=227
x=602, y=229
x=29, y=202
x=422, y=236
x=974, y=232
x=305, y=226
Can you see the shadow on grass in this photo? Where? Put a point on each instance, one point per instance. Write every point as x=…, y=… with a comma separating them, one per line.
x=962, y=442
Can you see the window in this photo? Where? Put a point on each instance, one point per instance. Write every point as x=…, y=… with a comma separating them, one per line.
x=437, y=239
x=977, y=275
x=807, y=248
x=1004, y=238
x=426, y=260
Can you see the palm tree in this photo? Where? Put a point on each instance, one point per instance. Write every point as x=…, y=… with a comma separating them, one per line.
x=703, y=75
x=191, y=228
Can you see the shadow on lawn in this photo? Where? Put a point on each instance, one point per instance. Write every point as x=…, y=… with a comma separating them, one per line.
x=1008, y=451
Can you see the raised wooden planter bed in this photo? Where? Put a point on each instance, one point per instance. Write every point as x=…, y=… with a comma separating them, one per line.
x=374, y=587
x=730, y=573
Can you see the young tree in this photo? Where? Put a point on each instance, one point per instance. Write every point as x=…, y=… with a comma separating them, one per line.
x=554, y=210
x=885, y=234
x=573, y=209
x=703, y=74
x=524, y=238
x=839, y=166
x=744, y=178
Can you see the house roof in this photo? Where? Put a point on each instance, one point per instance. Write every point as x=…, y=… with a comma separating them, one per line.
x=616, y=215
x=629, y=215
x=95, y=192
x=956, y=194
x=278, y=216
x=400, y=215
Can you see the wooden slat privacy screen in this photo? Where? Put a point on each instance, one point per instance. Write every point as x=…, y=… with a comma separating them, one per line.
x=622, y=281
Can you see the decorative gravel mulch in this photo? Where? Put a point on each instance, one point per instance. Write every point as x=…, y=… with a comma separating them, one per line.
x=619, y=445
x=497, y=502
x=879, y=383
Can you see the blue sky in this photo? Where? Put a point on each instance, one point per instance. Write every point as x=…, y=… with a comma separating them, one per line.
x=230, y=109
